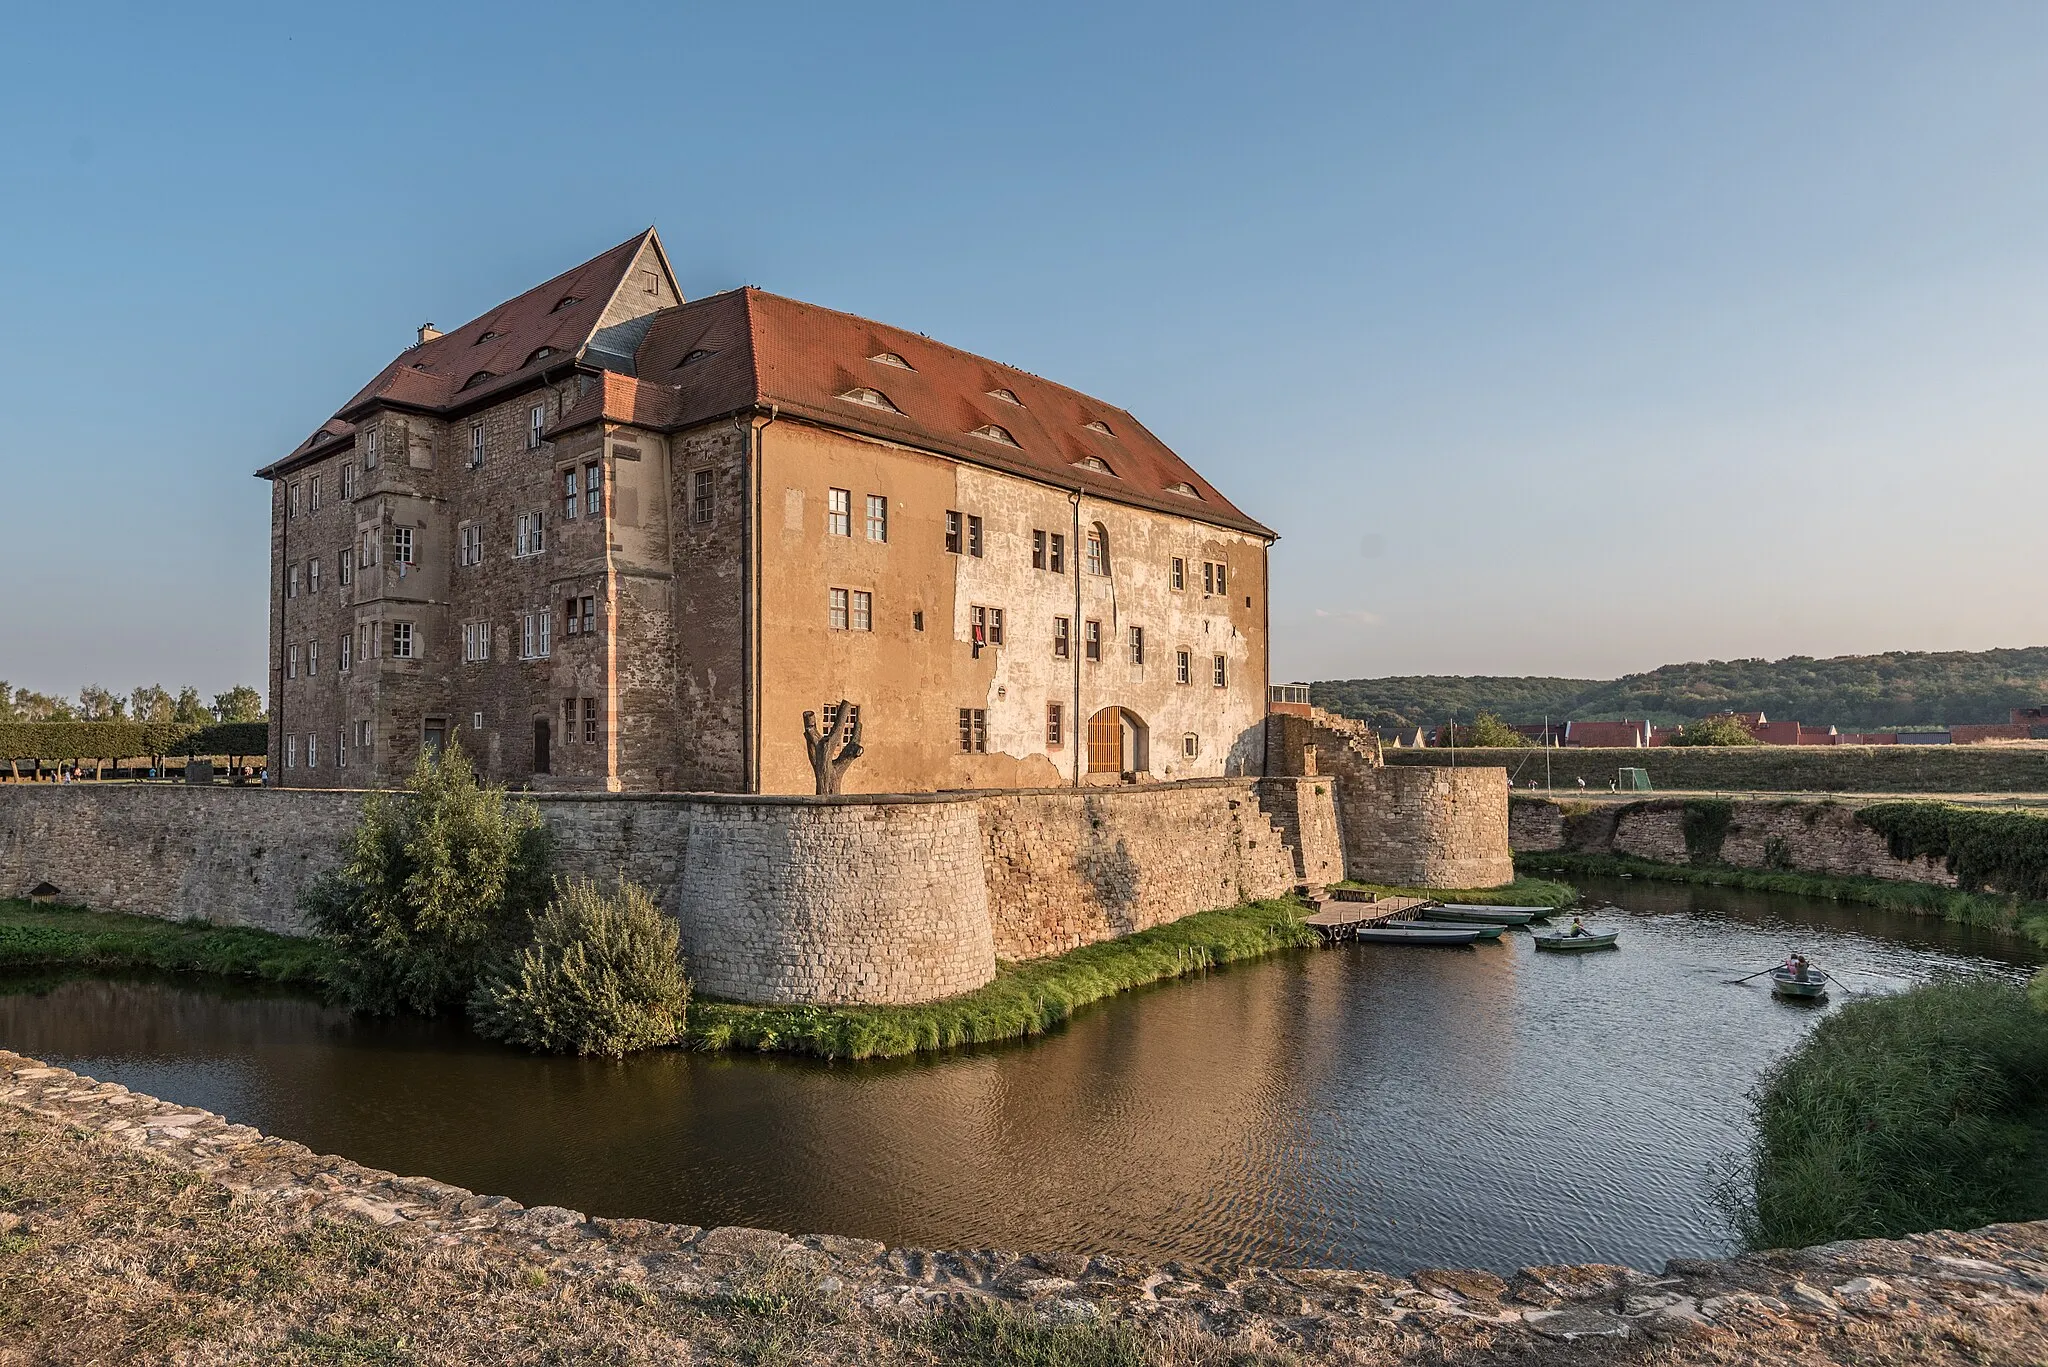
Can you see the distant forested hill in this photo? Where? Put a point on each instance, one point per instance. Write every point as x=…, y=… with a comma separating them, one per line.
x=1854, y=692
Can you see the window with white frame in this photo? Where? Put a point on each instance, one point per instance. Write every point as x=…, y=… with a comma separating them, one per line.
x=1215, y=577
x=344, y=567
x=291, y=752
x=1056, y=559
x=1183, y=666
x=366, y=549
x=1062, y=630
x=476, y=642
x=701, y=497
x=313, y=750
x=1190, y=746
x=579, y=615
x=473, y=543
x=373, y=447
x=1055, y=730
x=593, y=490
x=313, y=494
x=1137, y=645
x=313, y=575
x=312, y=658
x=476, y=445
x=838, y=512
x=291, y=662
x=348, y=479
x=296, y=494
x=952, y=532
x=529, y=534
x=569, y=494
x=1179, y=578
x=878, y=518
x=987, y=624
x=1091, y=640
x=537, y=634
x=838, y=609
x=568, y=721
x=973, y=535
x=346, y=661
x=1222, y=672
x=974, y=730
x=536, y=422
x=1098, y=549
x=292, y=581
x=362, y=735
x=404, y=641
x=590, y=721
x=402, y=546
x=863, y=611
x=341, y=748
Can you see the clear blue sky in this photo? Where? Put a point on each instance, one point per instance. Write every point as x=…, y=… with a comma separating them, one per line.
x=1567, y=338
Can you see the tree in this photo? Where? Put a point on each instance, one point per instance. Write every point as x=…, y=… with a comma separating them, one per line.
x=240, y=703
x=845, y=733
x=1717, y=730
x=435, y=888
x=1489, y=730
x=152, y=703
x=25, y=704
x=98, y=704
x=189, y=710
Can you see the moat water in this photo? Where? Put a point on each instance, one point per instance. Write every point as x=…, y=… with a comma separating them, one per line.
x=1371, y=1106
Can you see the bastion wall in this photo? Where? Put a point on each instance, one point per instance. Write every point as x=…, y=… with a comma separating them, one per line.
x=831, y=900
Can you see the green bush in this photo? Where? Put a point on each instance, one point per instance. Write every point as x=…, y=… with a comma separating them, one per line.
x=1487, y=730
x=436, y=882
x=1714, y=731
x=1919, y=1111
x=2006, y=850
x=601, y=976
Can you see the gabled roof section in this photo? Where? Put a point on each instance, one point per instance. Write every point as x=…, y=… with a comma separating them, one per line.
x=762, y=349
x=595, y=305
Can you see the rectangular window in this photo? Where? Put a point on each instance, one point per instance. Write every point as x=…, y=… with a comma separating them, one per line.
x=295, y=500
x=536, y=419
x=1038, y=550
x=291, y=662
x=830, y=712
x=348, y=479
x=348, y=651
x=1061, y=632
x=838, y=512
x=593, y=490
x=1137, y=645
x=313, y=503
x=1091, y=640
x=313, y=750
x=1055, y=732
x=473, y=544
x=878, y=518
x=590, y=721
x=1180, y=573
x=362, y=735
x=292, y=582
x=373, y=447
x=341, y=749
x=366, y=549
x=1183, y=666
x=476, y=642
x=1057, y=561
x=536, y=634
x=313, y=575
x=291, y=752
x=580, y=619
x=476, y=445
x=863, y=610
x=402, y=641
x=526, y=535
x=1098, y=553
x=401, y=546
x=952, y=531
x=312, y=658
x=700, y=502
x=344, y=567
x=1190, y=746
x=568, y=721
x=1222, y=672
x=973, y=534
x=1215, y=577
x=569, y=495
x=839, y=609
x=995, y=626
x=974, y=730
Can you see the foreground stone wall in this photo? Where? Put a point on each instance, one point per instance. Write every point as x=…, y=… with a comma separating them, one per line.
x=1943, y=1298
x=839, y=900
x=1809, y=836
x=1427, y=827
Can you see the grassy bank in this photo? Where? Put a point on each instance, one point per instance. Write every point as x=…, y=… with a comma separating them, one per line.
x=1991, y=910
x=1925, y=1110
x=1026, y=998
x=34, y=936
x=1525, y=891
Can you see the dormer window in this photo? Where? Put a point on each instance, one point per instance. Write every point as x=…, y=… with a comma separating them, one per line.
x=1184, y=489
x=1100, y=427
x=564, y=302
x=473, y=381
x=1007, y=396
x=994, y=433
x=1095, y=463
x=695, y=356
x=873, y=398
x=541, y=354
x=487, y=336
x=891, y=358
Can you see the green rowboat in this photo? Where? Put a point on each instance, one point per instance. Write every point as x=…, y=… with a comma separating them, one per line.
x=1814, y=984
x=1577, y=944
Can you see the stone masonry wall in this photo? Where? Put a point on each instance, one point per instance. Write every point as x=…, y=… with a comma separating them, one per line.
x=1430, y=828
x=837, y=900
x=1812, y=837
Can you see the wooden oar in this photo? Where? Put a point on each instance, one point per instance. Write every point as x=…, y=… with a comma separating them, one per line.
x=1758, y=974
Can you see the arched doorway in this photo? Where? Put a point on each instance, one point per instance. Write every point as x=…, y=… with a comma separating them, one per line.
x=1118, y=742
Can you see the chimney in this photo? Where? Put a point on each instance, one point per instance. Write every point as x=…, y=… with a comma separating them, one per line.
x=428, y=332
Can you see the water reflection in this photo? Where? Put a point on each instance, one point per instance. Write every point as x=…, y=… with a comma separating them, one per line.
x=1376, y=1106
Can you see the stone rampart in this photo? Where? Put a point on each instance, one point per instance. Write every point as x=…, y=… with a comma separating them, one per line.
x=1426, y=828
x=837, y=900
x=1764, y=833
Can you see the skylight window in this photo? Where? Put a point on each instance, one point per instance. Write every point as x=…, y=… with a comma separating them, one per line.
x=540, y=354
x=891, y=358
x=1184, y=489
x=1007, y=396
x=1095, y=463
x=873, y=398
x=695, y=356
x=994, y=433
x=1100, y=426
x=564, y=302
x=473, y=381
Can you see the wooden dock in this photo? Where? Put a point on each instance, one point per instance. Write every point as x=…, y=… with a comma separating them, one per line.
x=1338, y=918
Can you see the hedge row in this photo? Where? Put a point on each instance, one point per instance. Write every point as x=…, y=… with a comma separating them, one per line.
x=1774, y=768
x=125, y=739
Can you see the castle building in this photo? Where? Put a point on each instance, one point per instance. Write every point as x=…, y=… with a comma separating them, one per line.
x=607, y=539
